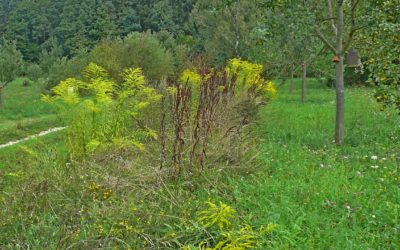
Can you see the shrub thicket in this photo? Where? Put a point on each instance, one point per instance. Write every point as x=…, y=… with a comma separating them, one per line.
x=138, y=50
x=123, y=140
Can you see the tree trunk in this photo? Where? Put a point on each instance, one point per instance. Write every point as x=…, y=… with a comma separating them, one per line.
x=291, y=79
x=339, y=131
x=304, y=82
x=1, y=97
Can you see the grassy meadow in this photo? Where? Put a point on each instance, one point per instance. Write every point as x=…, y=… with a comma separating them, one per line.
x=294, y=189
x=24, y=113
x=325, y=197
x=171, y=125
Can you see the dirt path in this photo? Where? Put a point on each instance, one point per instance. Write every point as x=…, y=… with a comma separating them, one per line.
x=43, y=133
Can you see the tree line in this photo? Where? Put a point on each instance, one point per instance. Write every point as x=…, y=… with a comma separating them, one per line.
x=75, y=25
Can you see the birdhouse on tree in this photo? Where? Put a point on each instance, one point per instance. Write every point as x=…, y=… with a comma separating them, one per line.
x=353, y=58
x=336, y=59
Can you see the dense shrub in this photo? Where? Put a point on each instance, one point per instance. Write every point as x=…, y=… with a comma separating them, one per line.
x=11, y=62
x=48, y=58
x=33, y=71
x=180, y=49
x=158, y=55
x=195, y=108
x=227, y=231
x=63, y=68
x=102, y=181
x=138, y=50
x=99, y=113
x=205, y=105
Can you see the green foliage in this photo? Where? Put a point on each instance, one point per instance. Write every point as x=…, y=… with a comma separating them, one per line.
x=224, y=27
x=76, y=25
x=90, y=187
x=191, y=77
x=49, y=57
x=140, y=50
x=226, y=229
x=83, y=24
x=285, y=38
x=33, y=71
x=208, y=98
x=31, y=24
x=62, y=68
x=243, y=239
x=10, y=61
x=381, y=43
x=217, y=215
x=99, y=113
x=179, y=48
x=249, y=76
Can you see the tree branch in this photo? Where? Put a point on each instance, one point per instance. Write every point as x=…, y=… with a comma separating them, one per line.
x=312, y=57
x=3, y=85
x=330, y=9
x=349, y=39
x=325, y=41
x=353, y=28
x=354, y=6
x=326, y=19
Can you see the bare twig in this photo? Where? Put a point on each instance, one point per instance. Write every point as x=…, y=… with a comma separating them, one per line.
x=325, y=41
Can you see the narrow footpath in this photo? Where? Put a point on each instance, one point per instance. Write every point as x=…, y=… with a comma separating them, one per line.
x=43, y=133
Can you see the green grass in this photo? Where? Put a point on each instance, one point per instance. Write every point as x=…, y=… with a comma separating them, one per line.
x=321, y=196
x=11, y=158
x=23, y=113
x=325, y=197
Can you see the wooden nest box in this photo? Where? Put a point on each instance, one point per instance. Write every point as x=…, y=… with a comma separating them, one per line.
x=353, y=58
x=336, y=59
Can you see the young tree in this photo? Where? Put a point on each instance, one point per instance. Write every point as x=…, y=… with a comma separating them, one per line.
x=331, y=26
x=10, y=65
x=223, y=27
x=288, y=40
